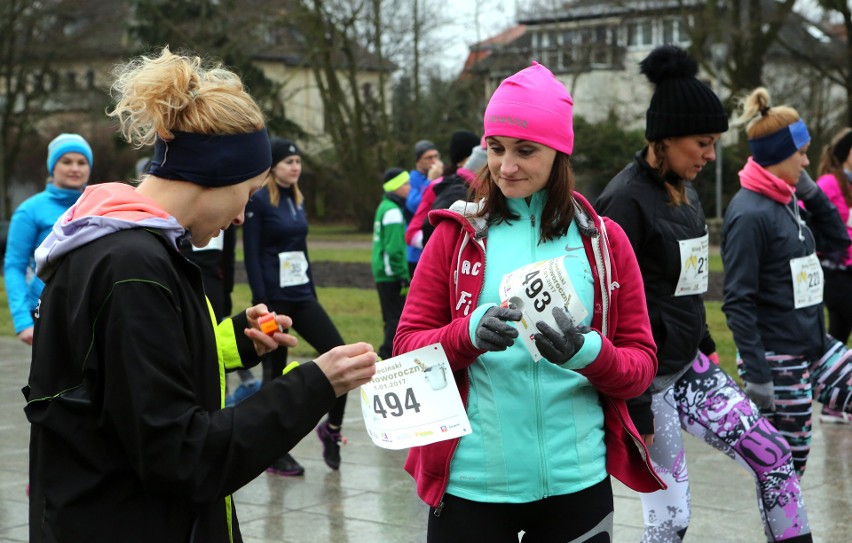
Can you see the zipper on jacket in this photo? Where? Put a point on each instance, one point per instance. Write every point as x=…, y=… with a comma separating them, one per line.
x=540, y=431
x=438, y=509
x=532, y=219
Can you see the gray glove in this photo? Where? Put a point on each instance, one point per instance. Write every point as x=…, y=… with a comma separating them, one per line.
x=762, y=394
x=559, y=346
x=493, y=333
x=805, y=187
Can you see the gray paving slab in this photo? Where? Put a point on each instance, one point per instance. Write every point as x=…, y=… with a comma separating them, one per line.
x=372, y=500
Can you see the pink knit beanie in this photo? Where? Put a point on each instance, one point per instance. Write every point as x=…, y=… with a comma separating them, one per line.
x=532, y=105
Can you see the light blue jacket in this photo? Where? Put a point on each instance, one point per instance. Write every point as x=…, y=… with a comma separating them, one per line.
x=31, y=223
x=538, y=428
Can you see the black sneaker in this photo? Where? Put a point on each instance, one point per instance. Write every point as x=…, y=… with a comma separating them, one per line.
x=331, y=441
x=286, y=466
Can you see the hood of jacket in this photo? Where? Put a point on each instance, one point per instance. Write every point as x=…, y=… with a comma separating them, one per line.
x=102, y=210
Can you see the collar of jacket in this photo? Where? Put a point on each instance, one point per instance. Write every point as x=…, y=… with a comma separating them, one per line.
x=584, y=215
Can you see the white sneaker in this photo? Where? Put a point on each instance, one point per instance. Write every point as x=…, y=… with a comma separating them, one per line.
x=831, y=416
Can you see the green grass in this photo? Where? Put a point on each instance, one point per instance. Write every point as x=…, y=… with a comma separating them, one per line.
x=325, y=254
x=336, y=232
x=716, y=264
x=355, y=312
x=722, y=336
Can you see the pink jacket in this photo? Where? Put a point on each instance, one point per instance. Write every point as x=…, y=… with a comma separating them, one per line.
x=828, y=184
x=444, y=291
x=414, y=231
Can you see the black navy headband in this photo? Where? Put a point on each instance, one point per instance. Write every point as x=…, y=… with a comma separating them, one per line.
x=779, y=145
x=212, y=160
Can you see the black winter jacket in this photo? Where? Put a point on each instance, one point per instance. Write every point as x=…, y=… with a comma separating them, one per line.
x=129, y=441
x=637, y=200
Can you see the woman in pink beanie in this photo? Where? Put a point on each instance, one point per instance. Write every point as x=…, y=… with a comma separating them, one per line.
x=547, y=411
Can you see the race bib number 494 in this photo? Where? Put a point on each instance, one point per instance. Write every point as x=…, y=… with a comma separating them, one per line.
x=413, y=400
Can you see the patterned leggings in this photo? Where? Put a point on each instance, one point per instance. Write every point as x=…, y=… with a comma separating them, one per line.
x=797, y=383
x=708, y=404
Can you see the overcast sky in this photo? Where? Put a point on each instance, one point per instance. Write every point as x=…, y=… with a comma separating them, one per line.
x=456, y=37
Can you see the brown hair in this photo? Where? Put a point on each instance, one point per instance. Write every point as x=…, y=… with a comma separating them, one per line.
x=828, y=164
x=558, y=209
x=156, y=95
x=676, y=189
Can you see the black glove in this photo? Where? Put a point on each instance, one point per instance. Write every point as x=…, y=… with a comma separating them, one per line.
x=493, y=333
x=559, y=346
x=762, y=394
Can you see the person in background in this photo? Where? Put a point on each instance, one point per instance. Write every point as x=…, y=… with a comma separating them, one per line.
x=654, y=201
x=773, y=289
x=546, y=433
x=69, y=166
x=427, y=168
x=129, y=439
x=461, y=144
x=835, y=171
x=456, y=187
x=275, y=245
x=389, y=263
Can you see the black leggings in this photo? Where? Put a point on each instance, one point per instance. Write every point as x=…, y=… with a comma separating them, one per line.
x=838, y=287
x=583, y=517
x=315, y=326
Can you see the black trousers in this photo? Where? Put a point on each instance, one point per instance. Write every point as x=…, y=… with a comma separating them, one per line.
x=315, y=327
x=838, y=301
x=582, y=517
x=392, y=303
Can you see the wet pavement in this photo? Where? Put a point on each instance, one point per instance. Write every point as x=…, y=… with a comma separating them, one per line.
x=372, y=500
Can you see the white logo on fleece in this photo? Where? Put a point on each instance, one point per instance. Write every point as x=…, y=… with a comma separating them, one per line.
x=465, y=299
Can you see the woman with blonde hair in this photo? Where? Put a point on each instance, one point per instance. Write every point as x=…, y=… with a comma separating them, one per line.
x=129, y=440
x=773, y=279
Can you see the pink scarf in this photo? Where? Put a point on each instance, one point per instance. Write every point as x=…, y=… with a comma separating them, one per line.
x=756, y=178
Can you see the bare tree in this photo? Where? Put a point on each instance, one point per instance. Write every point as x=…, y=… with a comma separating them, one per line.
x=750, y=27
x=834, y=60
x=355, y=120
x=25, y=74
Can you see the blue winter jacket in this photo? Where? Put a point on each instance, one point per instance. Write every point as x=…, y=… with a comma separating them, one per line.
x=30, y=224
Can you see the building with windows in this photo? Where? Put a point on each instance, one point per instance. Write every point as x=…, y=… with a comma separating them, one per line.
x=594, y=48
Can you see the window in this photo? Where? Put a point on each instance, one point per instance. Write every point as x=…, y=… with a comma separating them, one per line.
x=675, y=31
x=640, y=33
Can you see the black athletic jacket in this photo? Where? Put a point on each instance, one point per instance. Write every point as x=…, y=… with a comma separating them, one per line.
x=129, y=441
x=637, y=200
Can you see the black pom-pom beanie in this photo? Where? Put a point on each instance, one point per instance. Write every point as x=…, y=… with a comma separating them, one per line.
x=682, y=105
